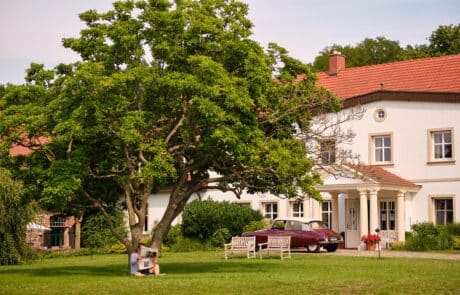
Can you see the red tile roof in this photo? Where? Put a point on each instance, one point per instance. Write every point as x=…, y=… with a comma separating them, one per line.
x=434, y=74
x=18, y=150
x=381, y=176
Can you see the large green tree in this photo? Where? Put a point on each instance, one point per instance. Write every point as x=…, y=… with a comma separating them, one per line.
x=445, y=40
x=367, y=52
x=14, y=215
x=166, y=94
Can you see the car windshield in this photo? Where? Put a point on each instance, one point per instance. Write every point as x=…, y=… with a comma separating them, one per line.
x=317, y=225
x=293, y=225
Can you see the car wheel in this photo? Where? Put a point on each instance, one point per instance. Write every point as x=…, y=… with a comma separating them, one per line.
x=313, y=248
x=331, y=248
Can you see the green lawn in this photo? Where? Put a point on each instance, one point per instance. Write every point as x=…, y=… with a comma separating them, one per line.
x=209, y=273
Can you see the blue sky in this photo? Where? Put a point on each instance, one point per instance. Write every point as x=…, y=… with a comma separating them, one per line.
x=31, y=30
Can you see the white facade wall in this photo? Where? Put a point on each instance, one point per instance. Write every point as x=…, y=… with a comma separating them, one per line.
x=409, y=124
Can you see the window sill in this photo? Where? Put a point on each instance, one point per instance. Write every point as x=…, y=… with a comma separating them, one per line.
x=441, y=162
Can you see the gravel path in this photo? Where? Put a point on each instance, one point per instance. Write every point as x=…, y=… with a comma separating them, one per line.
x=398, y=254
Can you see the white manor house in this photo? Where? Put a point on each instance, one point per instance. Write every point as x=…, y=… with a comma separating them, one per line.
x=407, y=141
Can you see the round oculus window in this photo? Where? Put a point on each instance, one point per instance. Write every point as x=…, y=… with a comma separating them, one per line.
x=380, y=115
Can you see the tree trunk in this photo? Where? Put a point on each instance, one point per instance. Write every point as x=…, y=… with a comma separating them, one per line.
x=174, y=208
x=77, y=232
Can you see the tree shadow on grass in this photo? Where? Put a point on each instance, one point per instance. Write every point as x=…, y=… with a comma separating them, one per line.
x=118, y=270
x=214, y=267
x=112, y=270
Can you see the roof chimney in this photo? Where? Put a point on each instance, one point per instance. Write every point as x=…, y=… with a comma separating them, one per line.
x=336, y=63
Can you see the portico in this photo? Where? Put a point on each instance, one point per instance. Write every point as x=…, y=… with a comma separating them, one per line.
x=374, y=199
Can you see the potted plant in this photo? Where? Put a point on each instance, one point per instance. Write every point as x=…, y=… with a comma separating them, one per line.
x=371, y=241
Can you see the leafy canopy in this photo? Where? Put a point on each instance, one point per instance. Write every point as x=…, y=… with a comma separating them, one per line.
x=166, y=93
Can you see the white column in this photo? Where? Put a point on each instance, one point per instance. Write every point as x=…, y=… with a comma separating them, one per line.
x=363, y=222
x=400, y=217
x=335, y=211
x=373, y=224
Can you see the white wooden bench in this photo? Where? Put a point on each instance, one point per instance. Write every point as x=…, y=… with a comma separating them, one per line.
x=241, y=245
x=277, y=244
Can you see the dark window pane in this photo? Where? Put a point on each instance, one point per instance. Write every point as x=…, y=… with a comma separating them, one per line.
x=449, y=204
x=448, y=151
x=387, y=155
x=378, y=142
x=449, y=217
x=447, y=137
x=440, y=217
x=438, y=151
x=437, y=137
x=387, y=141
x=440, y=204
x=379, y=155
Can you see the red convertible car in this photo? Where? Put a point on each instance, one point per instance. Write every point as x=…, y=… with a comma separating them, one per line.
x=305, y=233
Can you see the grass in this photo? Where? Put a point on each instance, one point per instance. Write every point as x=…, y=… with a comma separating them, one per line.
x=209, y=273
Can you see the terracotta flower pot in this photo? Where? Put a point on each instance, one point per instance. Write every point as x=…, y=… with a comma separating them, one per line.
x=371, y=246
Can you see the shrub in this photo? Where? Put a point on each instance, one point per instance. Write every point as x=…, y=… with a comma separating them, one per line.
x=254, y=225
x=453, y=229
x=174, y=234
x=201, y=219
x=444, y=240
x=456, y=244
x=220, y=237
x=190, y=245
x=397, y=246
x=117, y=248
x=427, y=236
x=96, y=233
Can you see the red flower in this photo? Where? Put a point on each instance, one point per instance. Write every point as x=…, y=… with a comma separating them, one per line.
x=370, y=239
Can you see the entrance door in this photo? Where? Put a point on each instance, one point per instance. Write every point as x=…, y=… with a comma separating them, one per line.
x=57, y=237
x=352, y=238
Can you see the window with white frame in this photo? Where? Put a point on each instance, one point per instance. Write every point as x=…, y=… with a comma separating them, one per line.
x=441, y=145
x=387, y=215
x=297, y=209
x=382, y=149
x=443, y=210
x=327, y=150
x=326, y=213
x=270, y=210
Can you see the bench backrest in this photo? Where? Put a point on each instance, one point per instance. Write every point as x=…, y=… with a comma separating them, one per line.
x=279, y=242
x=243, y=242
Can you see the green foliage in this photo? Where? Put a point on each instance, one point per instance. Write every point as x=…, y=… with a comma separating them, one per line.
x=367, y=52
x=220, y=237
x=117, y=248
x=164, y=92
x=96, y=234
x=14, y=215
x=456, y=243
x=398, y=246
x=174, y=234
x=453, y=228
x=201, y=219
x=254, y=225
x=190, y=245
x=445, y=40
x=427, y=236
